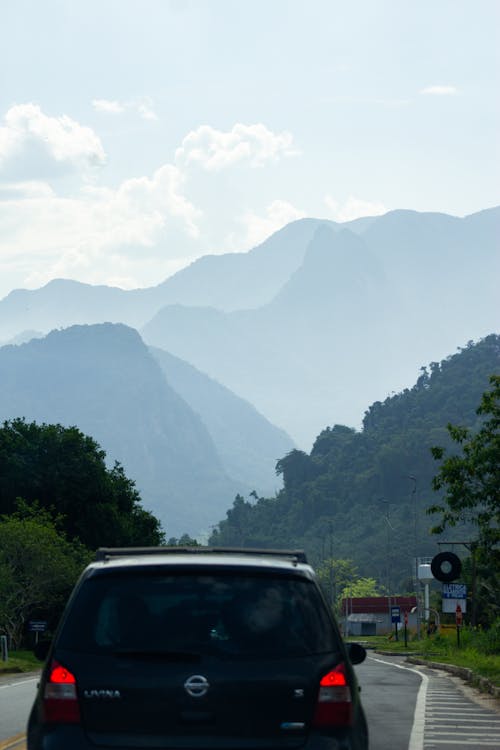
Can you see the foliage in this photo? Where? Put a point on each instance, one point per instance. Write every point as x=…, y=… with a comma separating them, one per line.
x=20, y=661
x=362, y=495
x=471, y=479
x=479, y=649
x=482, y=576
x=340, y=579
x=485, y=641
x=64, y=470
x=362, y=587
x=38, y=567
x=184, y=541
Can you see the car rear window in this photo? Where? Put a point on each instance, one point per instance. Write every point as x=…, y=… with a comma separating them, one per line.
x=219, y=614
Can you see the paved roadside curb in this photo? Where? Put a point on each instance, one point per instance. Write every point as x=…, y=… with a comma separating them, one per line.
x=17, y=672
x=468, y=675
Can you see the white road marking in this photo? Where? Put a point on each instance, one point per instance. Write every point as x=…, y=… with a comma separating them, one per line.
x=448, y=710
x=469, y=721
x=18, y=682
x=453, y=743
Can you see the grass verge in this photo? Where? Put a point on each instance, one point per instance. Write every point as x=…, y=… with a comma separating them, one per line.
x=20, y=661
x=478, y=651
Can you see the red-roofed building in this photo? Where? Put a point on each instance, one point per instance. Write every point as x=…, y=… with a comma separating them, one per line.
x=372, y=615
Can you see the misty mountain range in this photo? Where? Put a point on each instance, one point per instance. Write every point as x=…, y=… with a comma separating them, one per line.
x=189, y=444
x=227, y=282
x=304, y=331
x=355, y=321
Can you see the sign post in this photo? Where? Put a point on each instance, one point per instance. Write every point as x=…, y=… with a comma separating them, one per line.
x=37, y=626
x=458, y=620
x=396, y=618
x=406, y=628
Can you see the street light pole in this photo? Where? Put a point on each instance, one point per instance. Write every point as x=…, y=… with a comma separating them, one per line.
x=415, y=548
x=434, y=612
x=387, y=564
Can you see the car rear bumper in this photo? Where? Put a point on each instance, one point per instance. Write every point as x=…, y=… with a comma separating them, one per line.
x=67, y=737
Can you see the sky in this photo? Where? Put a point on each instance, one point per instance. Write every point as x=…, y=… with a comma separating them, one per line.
x=138, y=135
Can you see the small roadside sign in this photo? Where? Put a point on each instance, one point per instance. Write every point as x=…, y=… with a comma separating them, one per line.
x=395, y=614
x=453, y=594
x=454, y=591
x=37, y=626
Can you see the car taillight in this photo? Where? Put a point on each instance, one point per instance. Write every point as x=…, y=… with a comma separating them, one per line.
x=334, y=704
x=60, y=699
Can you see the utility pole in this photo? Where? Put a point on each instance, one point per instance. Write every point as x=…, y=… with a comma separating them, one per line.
x=415, y=548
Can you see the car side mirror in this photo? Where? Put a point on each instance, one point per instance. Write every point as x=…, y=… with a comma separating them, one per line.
x=357, y=653
x=42, y=649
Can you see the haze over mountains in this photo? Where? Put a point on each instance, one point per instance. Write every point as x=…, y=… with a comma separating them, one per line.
x=104, y=380
x=316, y=323
x=227, y=282
x=354, y=322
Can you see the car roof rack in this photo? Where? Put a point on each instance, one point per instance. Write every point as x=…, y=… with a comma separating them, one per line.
x=107, y=553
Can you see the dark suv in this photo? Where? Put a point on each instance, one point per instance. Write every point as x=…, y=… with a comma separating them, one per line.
x=199, y=649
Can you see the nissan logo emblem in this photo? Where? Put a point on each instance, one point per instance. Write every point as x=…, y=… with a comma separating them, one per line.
x=196, y=686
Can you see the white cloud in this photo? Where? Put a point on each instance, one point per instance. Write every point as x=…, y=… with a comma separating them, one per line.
x=98, y=235
x=105, y=105
x=64, y=139
x=353, y=208
x=143, y=107
x=146, y=111
x=216, y=149
x=141, y=206
x=257, y=228
x=10, y=142
x=439, y=90
x=31, y=190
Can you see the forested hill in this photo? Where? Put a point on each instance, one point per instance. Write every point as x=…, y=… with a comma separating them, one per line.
x=363, y=495
x=103, y=379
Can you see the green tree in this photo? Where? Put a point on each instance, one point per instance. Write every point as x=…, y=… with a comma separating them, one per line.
x=471, y=479
x=184, y=541
x=334, y=575
x=361, y=587
x=65, y=470
x=343, y=490
x=38, y=568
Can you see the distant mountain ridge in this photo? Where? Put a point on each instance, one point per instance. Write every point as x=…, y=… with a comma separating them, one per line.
x=353, y=322
x=103, y=379
x=246, y=442
x=316, y=322
x=226, y=282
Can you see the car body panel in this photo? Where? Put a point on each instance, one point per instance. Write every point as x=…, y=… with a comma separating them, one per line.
x=223, y=651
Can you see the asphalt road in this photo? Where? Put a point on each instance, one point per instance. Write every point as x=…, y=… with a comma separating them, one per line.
x=389, y=696
x=407, y=708
x=417, y=708
x=17, y=693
